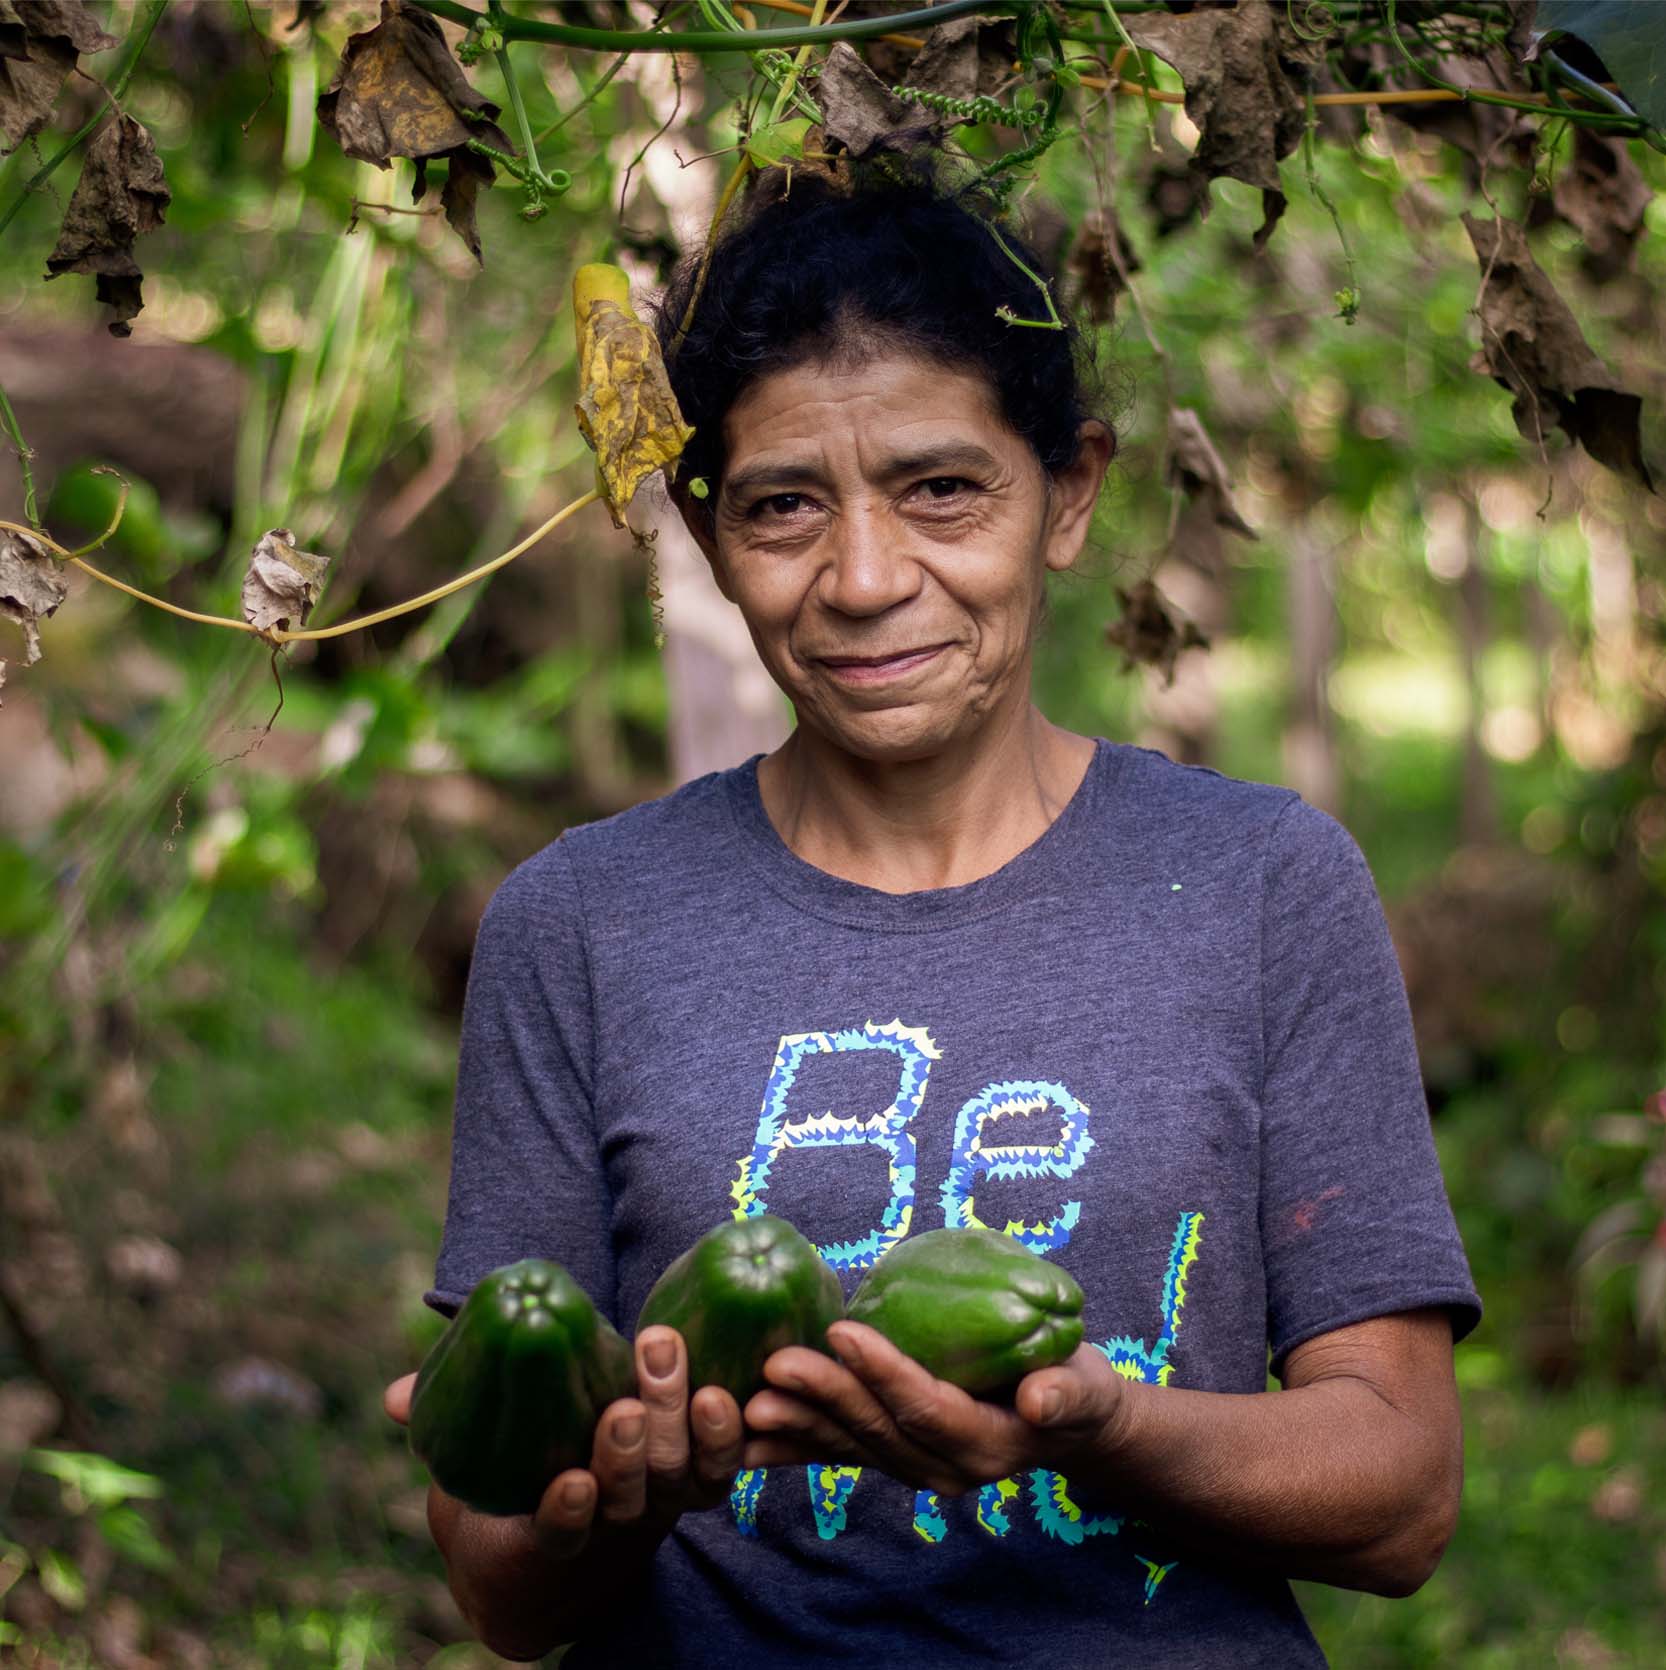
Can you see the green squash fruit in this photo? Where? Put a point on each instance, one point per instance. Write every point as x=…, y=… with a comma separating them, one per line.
x=974, y=1307
x=511, y=1392
x=745, y=1289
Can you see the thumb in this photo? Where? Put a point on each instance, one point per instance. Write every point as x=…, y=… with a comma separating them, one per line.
x=396, y=1399
x=1061, y=1399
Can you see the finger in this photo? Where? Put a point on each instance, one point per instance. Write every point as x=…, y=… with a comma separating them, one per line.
x=566, y=1513
x=719, y=1437
x=1081, y=1395
x=619, y=1460
x=866, y=1437
x=396, y=1399
x=968, y=1433
x=785, y=1450
x=776, y=1415
x=876, y=1393
x=662, y=1382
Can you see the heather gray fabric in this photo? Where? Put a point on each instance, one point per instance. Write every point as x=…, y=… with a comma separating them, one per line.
x=1167, y=1045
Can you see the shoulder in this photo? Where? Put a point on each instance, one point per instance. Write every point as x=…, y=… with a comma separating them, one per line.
x=1192, y=814
x=1195, y=820
x=643, y=849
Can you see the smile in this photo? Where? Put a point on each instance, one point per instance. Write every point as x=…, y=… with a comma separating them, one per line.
x=879, y=669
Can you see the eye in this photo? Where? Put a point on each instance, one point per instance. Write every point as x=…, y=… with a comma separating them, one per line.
x=946, y=486
x=779, y=504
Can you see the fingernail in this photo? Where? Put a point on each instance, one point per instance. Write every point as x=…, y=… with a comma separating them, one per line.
x=1050, y=1404
x=628, y=1430
x=847, y=1350
x=575, y=1493
x=660, y=1358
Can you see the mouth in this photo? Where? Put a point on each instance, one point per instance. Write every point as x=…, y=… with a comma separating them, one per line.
x=879, y=669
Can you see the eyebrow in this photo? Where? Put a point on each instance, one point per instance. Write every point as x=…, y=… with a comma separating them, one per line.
x=947, y=458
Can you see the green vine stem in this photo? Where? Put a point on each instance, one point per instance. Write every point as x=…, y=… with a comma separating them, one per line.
x=1589, y=118
x=705, y=40
x=1005, y=314
x=785, y=91
x=24, y=454
x=1652, y=136
x=140, y=38
x=1147, y=74
x=279, y=635
x=1347, y=299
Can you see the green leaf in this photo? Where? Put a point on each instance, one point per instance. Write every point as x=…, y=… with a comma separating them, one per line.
x=1629, y=37
x=102, y=1481
x=775, y=142
x=62, y=1579
x=134, y=1537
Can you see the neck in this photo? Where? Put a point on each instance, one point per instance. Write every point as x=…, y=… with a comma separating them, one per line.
x=909, y=825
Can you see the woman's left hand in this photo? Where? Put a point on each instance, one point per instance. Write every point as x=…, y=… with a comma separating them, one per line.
x=875, y=1407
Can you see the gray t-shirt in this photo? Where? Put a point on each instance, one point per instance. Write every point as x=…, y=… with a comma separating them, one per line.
x=1167, y=1045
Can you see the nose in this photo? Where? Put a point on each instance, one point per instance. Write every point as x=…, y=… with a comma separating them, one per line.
x=868, y=568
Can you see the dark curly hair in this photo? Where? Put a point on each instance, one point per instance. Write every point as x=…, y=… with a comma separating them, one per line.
x=819, y=274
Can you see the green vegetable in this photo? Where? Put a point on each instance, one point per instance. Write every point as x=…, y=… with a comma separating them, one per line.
x=976, y=1308
x=511, y=1392
x=749, y=1287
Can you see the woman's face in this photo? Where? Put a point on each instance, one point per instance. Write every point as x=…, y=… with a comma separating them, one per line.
x=887, y=536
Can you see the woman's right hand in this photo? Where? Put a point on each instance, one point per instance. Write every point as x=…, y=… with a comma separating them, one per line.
x=654, y=1457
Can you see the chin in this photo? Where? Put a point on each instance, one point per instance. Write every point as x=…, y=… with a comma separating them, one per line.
x=891, y=737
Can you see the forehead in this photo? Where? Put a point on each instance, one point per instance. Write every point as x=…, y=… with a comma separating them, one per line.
x=884, y=395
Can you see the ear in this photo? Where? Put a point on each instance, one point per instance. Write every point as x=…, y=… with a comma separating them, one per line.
x=1074, y=491
x=701, y=523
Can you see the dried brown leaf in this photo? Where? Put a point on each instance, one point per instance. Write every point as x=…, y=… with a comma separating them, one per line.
x=468, y=172
x=1532, y=345
x=1197, y=468
x=1175, y=195
x=1147, y=634
x=399, y=92
x=39, y=43
x=121, y=194
x=948, y=62
x=31, y=588
x=282, y=583
x=860, y=112
x=1490, y=135
x=1601, y=193
x=1100, y=264
x=1246, y=72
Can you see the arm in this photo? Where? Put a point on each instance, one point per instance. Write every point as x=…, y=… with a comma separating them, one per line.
x=529, y=1583
x=1350, y=1475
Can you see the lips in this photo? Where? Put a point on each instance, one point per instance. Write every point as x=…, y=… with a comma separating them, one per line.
x=876, y=669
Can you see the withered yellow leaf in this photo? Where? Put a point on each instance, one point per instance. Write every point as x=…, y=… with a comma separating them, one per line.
x=626, y=409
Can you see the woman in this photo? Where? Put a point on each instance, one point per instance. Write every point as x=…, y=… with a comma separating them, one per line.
x=982, y=970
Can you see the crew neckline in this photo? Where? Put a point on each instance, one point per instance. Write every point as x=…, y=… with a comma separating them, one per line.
x=820, y=893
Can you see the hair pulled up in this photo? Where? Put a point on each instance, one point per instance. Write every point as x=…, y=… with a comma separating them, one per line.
x=825, y=275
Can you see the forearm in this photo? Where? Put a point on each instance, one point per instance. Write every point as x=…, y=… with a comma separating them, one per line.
x=518, y=1600
x=1326, y=1481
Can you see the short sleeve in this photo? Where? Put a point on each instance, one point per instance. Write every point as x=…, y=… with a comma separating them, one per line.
x=1355, y=1222
x=526, y=1172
